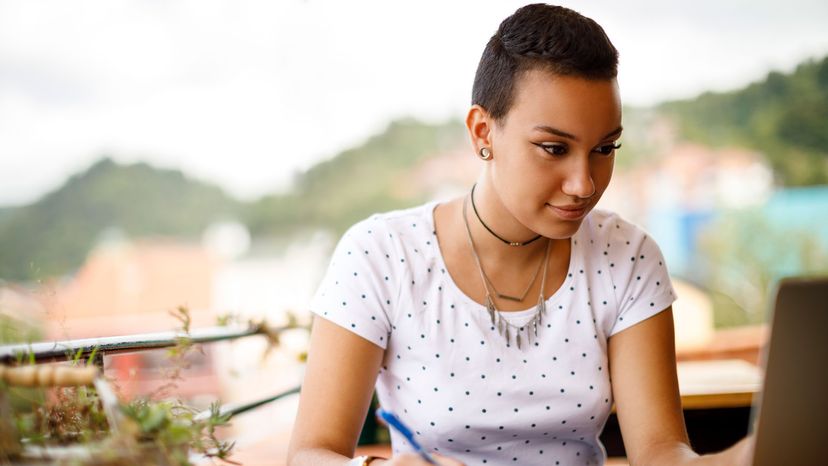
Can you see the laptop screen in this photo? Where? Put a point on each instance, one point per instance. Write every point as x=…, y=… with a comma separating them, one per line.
x=792, y=411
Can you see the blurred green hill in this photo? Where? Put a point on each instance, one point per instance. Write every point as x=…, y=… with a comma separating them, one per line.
x=340, y=191
x=785, y=117
x=5, y=212
x=53, y=235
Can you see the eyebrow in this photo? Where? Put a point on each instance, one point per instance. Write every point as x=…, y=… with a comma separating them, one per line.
x=564, y=134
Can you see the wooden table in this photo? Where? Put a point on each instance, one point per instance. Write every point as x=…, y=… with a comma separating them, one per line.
x=728, y=383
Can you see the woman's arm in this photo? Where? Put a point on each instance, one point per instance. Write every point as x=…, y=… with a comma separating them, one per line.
x=642, y=361
x=339, y=379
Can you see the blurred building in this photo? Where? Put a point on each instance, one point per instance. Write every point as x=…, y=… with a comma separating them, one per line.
x=675, y=198
x=131, y=286
x=802, y=209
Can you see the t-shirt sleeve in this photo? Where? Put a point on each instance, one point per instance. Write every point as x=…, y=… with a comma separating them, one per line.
x=640, y=278
x=358, y=287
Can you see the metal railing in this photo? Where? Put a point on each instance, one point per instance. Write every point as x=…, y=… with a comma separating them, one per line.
x=95, y=349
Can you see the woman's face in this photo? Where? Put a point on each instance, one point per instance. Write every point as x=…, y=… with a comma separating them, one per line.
x=554, y=151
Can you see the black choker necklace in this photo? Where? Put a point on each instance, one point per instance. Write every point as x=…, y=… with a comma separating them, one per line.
x=510, y=243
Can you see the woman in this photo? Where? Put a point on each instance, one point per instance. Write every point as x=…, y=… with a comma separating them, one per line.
x=501, y=326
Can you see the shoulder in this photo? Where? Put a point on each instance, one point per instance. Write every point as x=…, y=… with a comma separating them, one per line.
x=393, y=227
x=605, y=226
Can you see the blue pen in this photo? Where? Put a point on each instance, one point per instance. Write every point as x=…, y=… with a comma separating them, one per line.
x=392, y=420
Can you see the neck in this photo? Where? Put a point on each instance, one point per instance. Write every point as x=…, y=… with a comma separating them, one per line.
x=491, y=210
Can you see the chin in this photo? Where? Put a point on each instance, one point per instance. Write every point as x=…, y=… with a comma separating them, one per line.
x=559, y=229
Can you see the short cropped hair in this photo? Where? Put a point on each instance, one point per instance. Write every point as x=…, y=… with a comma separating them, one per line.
x=540, y=36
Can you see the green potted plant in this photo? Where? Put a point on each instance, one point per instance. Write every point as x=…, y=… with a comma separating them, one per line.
x=69, y=414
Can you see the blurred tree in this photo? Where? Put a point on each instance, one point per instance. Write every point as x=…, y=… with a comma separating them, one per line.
x=785, y=117
x=744, y=255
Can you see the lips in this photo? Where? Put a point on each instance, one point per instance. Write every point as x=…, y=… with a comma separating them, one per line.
x=570, y=212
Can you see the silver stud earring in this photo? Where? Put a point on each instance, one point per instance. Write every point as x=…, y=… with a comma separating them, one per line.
x=485, y=153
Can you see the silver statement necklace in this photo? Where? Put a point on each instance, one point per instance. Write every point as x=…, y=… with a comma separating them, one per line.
x=502, y=325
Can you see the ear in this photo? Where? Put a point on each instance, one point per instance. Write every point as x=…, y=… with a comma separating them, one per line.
x=480, y=126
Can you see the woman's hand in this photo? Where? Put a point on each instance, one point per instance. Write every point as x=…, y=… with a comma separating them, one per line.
x=410, y=459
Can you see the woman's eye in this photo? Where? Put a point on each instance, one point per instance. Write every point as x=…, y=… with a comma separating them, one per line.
x=554, y=149
x=608, y=149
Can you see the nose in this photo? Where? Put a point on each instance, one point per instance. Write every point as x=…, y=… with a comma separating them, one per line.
x=578, y=179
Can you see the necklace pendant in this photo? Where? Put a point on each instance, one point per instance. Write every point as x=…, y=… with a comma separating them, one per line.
x=508, y=340
x=517, y=339
x=491, y=308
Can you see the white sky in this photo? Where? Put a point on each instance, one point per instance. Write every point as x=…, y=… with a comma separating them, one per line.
x=245, y=93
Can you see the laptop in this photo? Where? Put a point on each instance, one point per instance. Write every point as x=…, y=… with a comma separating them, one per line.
x=790, y=415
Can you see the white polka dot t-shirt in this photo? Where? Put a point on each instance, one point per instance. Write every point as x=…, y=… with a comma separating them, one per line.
x=450, y=376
